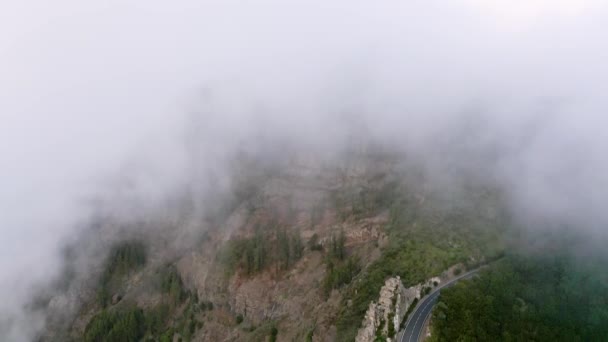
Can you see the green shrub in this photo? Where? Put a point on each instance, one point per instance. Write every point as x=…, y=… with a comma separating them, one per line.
x=313, y=243
x=167, y=336
x=278, y=247
x=548, y=297
x=110, y=326
x=171, y=283
x=273, y=334
x=124, y=258
x=337, y=249
x=340, y=273
x=391, y=325
x=309, y=335
x=379, y=334
x=155, y=319
x=423, y=242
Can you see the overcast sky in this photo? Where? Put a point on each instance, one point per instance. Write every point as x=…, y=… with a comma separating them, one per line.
x=88, y=87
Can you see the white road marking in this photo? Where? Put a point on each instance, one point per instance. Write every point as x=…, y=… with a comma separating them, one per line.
x=426, y=299
x=415, y=324
x=424, y=320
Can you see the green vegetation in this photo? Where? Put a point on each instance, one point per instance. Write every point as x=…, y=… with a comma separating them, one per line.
x=239, y=319
x=186, y=324
x=290, y=248
x=156, y=319
x=278, y=247
x=111, y=326
x=124, y=258
x=205, y=305
x=424, y=240
x=171, y=283
x=337, y=250
x=340, y=270
x=309, y=335
x=129, y=323
x=273, y=334
x=538, y=298
x=313, y=243
x=167, y=336
x=340, y=273
x=364, y=201
x=408, y=312
x=379, y=335
x=252, y=254
x=133, y=324
x=391, y=325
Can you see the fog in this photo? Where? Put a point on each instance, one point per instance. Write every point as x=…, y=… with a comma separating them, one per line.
x=95, y=92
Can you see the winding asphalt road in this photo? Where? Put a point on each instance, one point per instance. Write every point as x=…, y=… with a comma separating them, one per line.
x=415, y=323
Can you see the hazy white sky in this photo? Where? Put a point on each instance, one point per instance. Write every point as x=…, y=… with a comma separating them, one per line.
x=518, y=12
x=86, y=87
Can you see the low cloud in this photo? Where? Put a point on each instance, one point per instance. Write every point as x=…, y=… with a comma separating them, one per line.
x=154, y=95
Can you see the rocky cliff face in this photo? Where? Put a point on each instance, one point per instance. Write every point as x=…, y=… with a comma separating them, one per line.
x=305, y=199
x=384, y=318
x=283, y=259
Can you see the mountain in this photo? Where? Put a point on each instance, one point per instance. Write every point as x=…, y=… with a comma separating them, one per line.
x=297, y=250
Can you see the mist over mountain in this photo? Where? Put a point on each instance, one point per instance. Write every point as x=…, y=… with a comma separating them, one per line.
x=138, y=113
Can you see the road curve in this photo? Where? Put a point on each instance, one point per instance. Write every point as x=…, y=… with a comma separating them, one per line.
x=415, y=323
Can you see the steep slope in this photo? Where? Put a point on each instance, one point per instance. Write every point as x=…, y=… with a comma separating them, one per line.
x=298, y=254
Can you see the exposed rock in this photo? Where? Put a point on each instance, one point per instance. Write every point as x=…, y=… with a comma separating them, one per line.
x=302, y=197
x=391, y=307
x=116, y=298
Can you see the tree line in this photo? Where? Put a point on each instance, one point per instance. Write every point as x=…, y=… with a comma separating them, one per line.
x=279, y=247
x=549, y=298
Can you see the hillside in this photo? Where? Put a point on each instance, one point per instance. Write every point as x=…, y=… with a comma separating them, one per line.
x=559, y=294
x=298, y=253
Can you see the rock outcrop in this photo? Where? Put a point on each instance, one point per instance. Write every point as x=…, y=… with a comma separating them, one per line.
x=385, y=316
